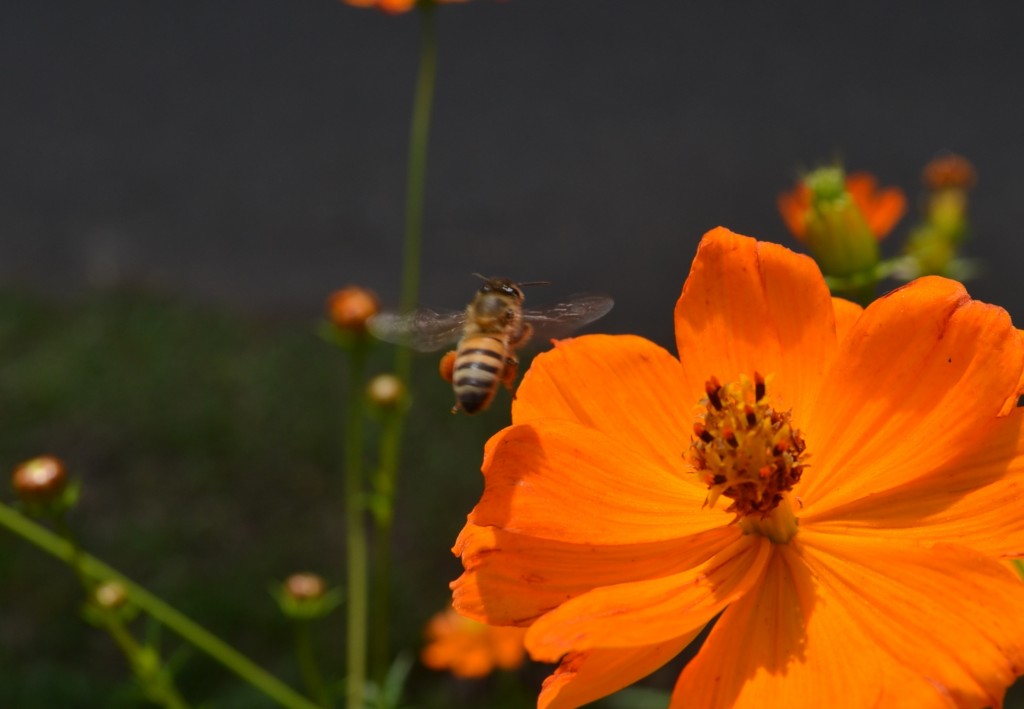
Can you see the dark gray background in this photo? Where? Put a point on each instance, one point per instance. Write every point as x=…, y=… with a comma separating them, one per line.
x=251, y=152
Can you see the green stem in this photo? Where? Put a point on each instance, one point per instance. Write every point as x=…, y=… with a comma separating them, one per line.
x=415, y=186
x=391, y=439
x=157, y=684
x=355, y=506
x=308, y=665
x=213, y=646
x=384, y=491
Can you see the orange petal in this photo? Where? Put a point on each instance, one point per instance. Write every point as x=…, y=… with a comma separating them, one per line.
x=846, y=314
x=627, y=387
x=563, y=481
x=585, y=677
x=949, y=616
x=749, y=306
x=1020, y=386
x=512, y=579
x=920, y=378
x=972, y=500
x=882, y=624
x=793, y=206
x=777, y=643
x=653, y=611
x=882, y=209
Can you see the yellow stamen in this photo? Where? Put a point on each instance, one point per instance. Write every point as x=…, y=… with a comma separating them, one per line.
x=747, y=451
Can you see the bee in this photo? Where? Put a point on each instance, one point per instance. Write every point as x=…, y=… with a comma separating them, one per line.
x=489, y=332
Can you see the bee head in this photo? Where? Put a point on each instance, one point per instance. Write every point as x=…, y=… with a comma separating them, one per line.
x=505, y=286
x=502, y=286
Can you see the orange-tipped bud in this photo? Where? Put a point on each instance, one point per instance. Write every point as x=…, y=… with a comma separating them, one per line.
x=305, y=597
x=949, y=172
x=935, y=242
x=842, y=218
x=351, y=307
x=305, y=587
x=40, y=480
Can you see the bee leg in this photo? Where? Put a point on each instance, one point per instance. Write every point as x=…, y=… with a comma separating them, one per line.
x=446, y=367
x=522, y=336
x=508, y=377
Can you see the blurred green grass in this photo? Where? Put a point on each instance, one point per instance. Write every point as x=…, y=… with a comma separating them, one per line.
x=209, y=448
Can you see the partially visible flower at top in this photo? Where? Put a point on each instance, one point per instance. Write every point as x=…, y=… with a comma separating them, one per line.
x=395, y=7
x=467, y=648
x=351, y=307
x=839, y=486
x=841, y=218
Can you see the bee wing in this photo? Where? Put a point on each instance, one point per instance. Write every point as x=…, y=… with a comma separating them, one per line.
x=562, y=318
x=424, y=330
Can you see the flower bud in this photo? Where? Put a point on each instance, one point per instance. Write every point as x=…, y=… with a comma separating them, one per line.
x=40, y=480
x=841, y=219
x=305, y=587
x=351, y=307
x=306, y=597
x=933, y=244
x=949, y=172
x=385, y=391
x=110, y=595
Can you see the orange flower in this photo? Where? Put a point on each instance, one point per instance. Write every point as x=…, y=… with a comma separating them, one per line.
x=881, y=209
x=846, y=515
x=393, y=7
x=471, y=649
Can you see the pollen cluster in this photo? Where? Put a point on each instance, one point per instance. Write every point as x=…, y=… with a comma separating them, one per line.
x=744, y=449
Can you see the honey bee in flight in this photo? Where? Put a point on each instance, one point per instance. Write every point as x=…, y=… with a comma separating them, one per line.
x=489, y=331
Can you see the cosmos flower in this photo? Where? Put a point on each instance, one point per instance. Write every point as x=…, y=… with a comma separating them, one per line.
x=393, y=7
x=840, y=486
x=470, y=649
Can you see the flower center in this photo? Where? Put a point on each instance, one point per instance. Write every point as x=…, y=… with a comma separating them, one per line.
x=747, y=451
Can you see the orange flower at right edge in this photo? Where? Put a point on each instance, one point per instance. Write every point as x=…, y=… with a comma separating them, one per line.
x=838, y=485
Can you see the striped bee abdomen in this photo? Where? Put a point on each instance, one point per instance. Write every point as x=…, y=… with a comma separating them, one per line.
x=479, y=366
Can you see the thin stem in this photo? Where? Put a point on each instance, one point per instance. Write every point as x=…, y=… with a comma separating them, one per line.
x=97, y=571
x=157, y=684
x=419, y=133
x=391, y=439
x=308, y=664
x=384, y=491
x=60, y=523
x=355, y=530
